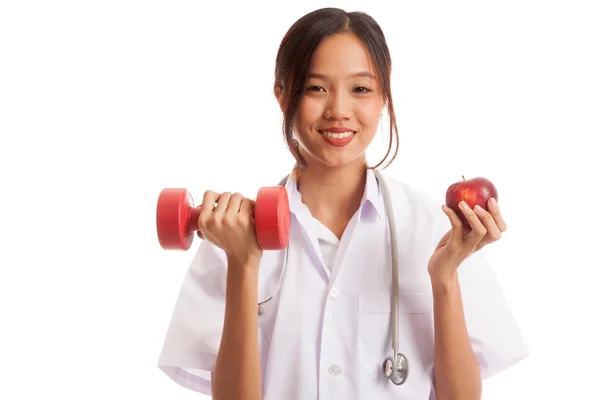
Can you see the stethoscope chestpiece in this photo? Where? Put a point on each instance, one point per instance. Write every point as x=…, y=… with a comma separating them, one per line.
x=396, y=370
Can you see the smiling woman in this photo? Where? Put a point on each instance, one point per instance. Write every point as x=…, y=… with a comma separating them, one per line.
x=342, y=325
x=342, y=103
x=345, y=80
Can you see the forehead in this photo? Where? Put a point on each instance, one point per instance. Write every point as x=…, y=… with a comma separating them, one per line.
x=341, y=55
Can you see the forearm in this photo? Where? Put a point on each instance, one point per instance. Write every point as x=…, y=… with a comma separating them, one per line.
x=238, y=371
x=456, y=371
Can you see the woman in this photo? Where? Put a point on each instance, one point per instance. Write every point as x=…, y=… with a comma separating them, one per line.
x=327, y=331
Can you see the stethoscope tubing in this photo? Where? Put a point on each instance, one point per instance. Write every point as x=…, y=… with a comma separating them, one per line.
x=395, y=290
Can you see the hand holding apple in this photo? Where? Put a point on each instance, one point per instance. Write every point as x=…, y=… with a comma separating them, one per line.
x=476, y=191
x=472, y=207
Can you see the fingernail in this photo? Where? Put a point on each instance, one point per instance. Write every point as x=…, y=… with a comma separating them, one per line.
x=494, y=202
x=463, y=205
x=478, y=208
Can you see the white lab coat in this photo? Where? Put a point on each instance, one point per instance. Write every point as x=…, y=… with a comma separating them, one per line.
x=327, y=332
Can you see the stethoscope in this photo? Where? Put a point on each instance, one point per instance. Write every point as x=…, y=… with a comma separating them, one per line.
x=394, y=368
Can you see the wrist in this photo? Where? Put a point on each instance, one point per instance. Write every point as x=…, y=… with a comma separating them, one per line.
x=443, y=282
x=242, y=269
x=250, y=260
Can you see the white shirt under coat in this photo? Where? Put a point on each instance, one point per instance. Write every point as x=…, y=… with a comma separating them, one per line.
x=326, y=334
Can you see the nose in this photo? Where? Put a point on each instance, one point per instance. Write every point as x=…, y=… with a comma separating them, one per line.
x=338, y=106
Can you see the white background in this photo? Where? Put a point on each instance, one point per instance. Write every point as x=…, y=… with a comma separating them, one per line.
x=103, y=104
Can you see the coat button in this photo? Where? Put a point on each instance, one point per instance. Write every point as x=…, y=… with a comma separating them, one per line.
x=335, y=370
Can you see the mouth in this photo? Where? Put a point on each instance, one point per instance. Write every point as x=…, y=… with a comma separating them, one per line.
x=338, y=137
x=337, y=134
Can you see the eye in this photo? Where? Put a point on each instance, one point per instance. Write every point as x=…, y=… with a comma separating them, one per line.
x=362, y=89
x=314, y=88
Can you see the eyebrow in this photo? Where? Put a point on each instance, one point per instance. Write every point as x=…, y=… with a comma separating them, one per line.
x=363, y=74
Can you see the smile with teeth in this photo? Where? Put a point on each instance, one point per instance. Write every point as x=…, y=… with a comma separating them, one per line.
x=332, y=135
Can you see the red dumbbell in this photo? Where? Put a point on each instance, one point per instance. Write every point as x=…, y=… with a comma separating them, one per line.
x=177, y=218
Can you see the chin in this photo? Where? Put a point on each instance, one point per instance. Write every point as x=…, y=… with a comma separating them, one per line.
x=322, y=155
x=340, y=162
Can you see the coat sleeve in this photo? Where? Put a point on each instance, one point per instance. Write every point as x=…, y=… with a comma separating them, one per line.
x=495, y=336
x=193, y=336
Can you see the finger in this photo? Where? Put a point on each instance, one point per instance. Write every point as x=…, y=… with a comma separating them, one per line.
x=478, y=230
x=206, y=212
x=493, y=232
x=222, y=205
x=234, y=203
x=456, y=223
x=208, y=202
x=246, y=207
x=494, y=209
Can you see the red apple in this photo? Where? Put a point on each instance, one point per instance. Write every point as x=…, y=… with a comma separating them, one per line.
x=476, y=191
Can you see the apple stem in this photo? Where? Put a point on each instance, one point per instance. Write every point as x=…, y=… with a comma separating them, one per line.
x=463, y=177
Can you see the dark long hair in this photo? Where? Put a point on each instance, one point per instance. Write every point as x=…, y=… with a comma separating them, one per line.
x=295, y=56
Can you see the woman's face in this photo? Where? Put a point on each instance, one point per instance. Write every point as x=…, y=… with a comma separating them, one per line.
x=342, y=104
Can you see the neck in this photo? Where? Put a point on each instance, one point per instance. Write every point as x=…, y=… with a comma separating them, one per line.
x=333, y=195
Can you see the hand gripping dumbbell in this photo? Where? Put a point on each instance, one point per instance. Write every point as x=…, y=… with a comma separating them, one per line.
x=177, y=218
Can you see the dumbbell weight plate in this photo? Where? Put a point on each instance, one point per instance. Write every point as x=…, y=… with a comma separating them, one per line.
x=272, y=218
x=173, y=215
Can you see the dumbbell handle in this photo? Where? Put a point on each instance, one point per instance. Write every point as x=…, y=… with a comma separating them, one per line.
x=190, y=217
x=192, y=225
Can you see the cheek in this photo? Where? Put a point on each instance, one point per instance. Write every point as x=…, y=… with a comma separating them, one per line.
x=309, y=111
x=368, y=113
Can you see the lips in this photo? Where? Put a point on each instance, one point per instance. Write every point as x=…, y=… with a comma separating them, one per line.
x=338, y=137
x=335, y=132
